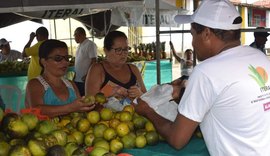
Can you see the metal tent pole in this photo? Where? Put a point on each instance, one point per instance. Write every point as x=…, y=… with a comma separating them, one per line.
x=70, y=36
x=157, y=42
x=55, y=33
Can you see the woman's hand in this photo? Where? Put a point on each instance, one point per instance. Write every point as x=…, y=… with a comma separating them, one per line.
x=134, y=91
x=81, y=106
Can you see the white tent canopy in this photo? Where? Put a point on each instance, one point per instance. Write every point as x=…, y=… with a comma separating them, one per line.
x=64, y=7
x=7, y=6
x=41, y=5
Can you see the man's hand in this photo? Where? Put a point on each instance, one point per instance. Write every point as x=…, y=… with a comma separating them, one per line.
x=142, y=107
x=32, y=36
x=171, y=46
x=28, y=44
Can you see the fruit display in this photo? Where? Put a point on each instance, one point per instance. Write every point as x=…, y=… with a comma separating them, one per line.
x=93, y=133
x=147, y=51
x=13, y=67
x=143, y=52
x=20, y=67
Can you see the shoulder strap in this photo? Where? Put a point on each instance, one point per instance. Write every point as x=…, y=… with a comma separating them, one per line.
x=67, y=83
x=106, y=76
x=43, y=82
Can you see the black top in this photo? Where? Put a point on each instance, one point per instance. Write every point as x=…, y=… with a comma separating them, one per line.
x=132, y=81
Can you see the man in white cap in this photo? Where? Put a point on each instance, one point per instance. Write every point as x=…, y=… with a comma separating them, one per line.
x=228, y=92
x=7, y=54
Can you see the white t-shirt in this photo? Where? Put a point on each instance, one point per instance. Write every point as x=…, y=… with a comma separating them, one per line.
x=233, y=108
x=185, y=69
x=85, y=52
x=12, y=56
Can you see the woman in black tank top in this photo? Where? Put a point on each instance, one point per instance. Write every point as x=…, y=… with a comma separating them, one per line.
x=113, y=75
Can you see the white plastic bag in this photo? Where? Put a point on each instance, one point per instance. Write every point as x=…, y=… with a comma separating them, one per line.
x=158, y=98
x=114, y=104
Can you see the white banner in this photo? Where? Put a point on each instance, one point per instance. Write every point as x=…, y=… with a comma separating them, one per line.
x=60, y=13
x=143, y=17
x=40, y=5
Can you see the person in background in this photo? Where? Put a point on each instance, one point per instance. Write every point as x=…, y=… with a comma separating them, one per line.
x=34, y=68
x=86, y=55
x=8, y=54
x=114, y=76
x=226, y=94
x=186, y=62
x=51, y=92
x=260, y=39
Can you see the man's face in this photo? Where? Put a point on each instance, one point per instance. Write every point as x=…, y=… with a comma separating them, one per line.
x=197, y=43
x=77, y=37
x=189, y=55
x=261, y=40
x=5, y=48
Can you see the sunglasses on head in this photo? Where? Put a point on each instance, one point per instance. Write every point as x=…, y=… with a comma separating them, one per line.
x=59, y=58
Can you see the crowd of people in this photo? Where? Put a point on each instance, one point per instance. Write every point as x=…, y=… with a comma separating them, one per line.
x=54, y=95
x=225, y=95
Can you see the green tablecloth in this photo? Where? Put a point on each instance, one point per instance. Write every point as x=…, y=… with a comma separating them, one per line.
x=196, y=147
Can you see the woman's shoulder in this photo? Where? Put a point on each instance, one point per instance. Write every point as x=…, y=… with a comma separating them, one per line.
x=98, y=66
x=34, y=83
x=133, y=67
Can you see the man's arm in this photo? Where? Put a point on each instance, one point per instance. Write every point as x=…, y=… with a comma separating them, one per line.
x=176, y=133
x=179, y=59
x=28, y=44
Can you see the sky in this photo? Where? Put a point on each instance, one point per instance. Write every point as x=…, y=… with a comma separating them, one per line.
x=19, y=33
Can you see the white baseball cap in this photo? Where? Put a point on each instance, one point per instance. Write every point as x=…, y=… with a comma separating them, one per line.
x=216, y=14
x=3, y=42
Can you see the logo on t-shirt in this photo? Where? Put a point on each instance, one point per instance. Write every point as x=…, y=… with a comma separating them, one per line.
x=259, y=75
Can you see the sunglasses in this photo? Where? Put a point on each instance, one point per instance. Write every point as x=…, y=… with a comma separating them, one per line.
x=59, y=58
x=120, y=51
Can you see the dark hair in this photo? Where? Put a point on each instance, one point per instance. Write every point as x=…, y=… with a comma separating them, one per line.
x=224, y=35
x=261, y=33
x=46, y=48
x=42, y=31
x=111, y=36
x=80, y=30
x=187, y=50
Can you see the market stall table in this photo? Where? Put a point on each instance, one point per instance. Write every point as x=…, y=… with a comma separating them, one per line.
x=195, y=147
x=147, y=68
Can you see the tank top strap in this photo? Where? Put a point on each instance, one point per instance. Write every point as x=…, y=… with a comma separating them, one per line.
x=43, y=82
x=67, y=83
x=106, y=77
x=133, y=78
